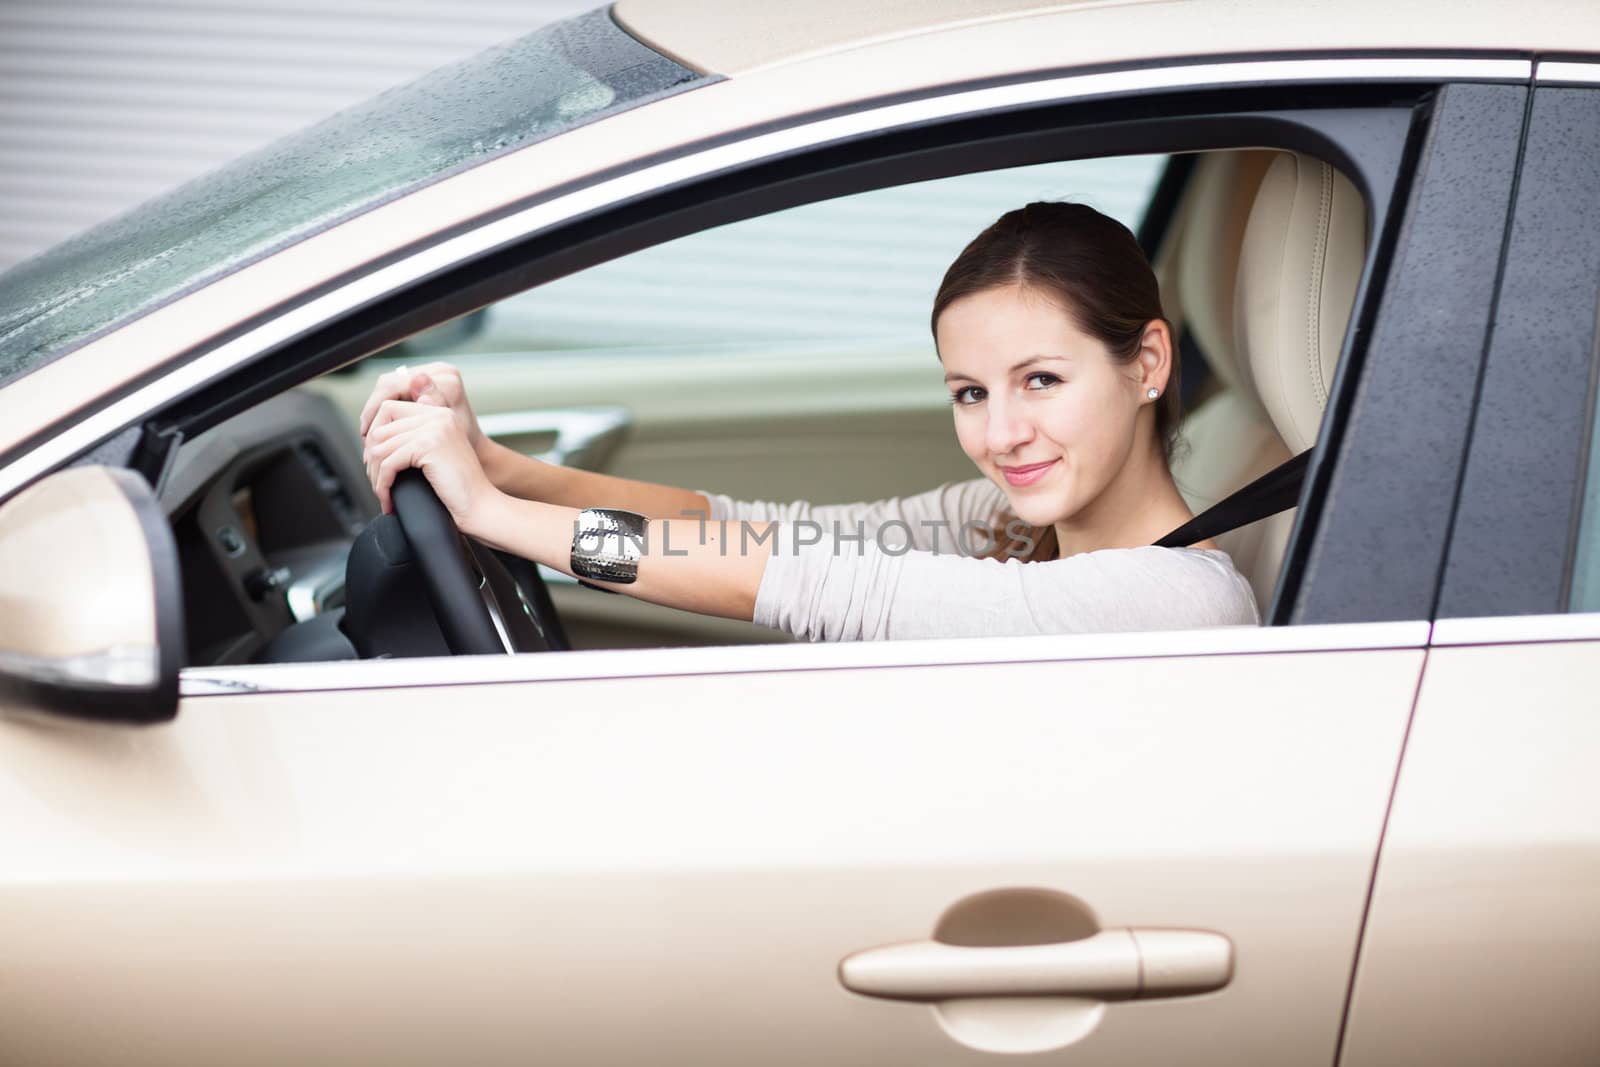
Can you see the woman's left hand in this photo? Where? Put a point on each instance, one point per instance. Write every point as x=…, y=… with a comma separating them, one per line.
x=425, y=435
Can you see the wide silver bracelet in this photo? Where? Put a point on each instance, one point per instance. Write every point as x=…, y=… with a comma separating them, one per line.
x=607, y=545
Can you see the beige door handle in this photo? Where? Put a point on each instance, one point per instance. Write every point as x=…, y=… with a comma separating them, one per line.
x=1113, y=964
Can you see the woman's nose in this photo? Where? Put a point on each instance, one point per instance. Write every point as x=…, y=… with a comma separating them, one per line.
x=1006, y=432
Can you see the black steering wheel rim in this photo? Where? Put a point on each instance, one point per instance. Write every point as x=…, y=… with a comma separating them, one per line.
x=453, y=578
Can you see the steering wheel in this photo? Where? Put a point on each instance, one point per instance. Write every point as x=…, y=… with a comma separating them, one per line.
x=480, y=606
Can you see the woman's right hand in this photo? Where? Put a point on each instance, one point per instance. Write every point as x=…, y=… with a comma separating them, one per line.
x=412, y=384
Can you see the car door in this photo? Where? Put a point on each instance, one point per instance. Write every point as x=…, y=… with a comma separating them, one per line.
x=1106, y=849
x=1484, y=930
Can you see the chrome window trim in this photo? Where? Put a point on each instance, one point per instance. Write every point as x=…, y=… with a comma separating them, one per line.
x=749, y=659
x=1516, y=629
x=758, y=147
x=1558, y=72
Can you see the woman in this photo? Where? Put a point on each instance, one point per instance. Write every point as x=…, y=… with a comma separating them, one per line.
x=1064, y=387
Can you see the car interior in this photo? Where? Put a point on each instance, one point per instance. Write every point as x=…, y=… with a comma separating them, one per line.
x=283, y=557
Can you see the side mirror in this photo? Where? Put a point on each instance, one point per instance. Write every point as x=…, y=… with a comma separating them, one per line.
x=91, y=606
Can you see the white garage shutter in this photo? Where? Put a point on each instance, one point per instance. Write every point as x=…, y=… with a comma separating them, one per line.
x=854, y=269
x=105, y=103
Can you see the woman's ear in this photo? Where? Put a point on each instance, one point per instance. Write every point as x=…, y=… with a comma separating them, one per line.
x=1155, y=357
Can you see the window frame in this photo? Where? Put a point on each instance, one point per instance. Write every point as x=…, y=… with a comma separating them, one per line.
x=1208, y=111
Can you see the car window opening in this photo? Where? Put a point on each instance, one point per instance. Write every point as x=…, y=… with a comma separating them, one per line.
x=785, y=357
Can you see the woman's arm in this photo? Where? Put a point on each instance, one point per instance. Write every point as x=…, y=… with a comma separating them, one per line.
x=863, y=593
x=824, y=587
x=510, y=471
x=953, y=519
x=686, y=563
x=533, y=479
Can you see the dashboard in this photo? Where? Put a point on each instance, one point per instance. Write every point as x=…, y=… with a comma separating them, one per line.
x=264, y=508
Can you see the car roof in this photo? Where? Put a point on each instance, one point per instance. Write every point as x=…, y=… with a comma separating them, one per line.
x=734, y=39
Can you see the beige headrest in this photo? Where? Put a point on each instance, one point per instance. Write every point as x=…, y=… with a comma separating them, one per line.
x=1301, y=259
x=1216, y=208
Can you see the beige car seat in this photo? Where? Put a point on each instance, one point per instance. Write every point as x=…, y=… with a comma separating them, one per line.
x=1227, y=441
x=1267, y=290
x=1298, y=271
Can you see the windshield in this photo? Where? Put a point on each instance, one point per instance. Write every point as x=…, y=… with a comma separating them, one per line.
x=455, y=118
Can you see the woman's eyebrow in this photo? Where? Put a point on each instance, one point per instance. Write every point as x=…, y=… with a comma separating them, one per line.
x=1041, y=357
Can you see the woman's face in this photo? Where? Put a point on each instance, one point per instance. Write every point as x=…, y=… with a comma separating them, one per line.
x=1040, y=406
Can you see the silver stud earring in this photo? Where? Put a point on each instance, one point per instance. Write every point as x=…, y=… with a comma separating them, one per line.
x=1153, y=392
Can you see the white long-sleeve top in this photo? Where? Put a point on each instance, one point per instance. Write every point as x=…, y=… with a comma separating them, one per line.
x=901, y=568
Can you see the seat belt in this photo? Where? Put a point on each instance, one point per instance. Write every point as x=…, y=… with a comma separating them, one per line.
x=1275, y=491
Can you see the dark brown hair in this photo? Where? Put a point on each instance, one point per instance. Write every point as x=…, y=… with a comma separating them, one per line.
x=1092, y=266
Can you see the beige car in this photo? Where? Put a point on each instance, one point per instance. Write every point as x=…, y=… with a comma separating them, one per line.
x=255, y=811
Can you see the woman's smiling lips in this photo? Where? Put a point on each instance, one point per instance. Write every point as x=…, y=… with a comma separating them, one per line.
x=1026, y=475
